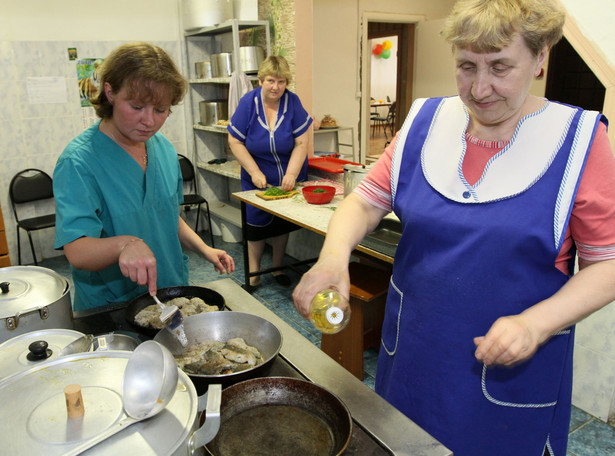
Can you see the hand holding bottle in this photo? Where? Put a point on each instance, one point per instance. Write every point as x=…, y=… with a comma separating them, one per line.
x=329, y=311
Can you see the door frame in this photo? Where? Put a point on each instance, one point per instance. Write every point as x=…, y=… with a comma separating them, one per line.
x=372, y=16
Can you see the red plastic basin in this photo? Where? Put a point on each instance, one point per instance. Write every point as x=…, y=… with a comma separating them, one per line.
x=318, y=197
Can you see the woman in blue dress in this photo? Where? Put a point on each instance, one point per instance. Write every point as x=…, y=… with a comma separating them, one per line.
x=268, y=136
x=496, y=190
x=118, y=187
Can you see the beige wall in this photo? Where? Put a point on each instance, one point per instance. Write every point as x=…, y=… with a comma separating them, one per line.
x=66, y=20
x=337, y=51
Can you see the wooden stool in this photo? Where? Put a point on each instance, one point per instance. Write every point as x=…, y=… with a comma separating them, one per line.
x=368, y=294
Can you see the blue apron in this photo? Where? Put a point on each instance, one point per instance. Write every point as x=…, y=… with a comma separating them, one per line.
x=271, y=148
x=468, y=255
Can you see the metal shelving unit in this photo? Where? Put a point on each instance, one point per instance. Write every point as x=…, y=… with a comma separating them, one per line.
x=217, y=182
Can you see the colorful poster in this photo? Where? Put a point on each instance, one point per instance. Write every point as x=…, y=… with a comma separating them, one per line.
x=87, y=75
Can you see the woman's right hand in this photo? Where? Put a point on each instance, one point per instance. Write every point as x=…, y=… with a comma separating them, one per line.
x=326, y=273
x=258, y=179
x=137, y=262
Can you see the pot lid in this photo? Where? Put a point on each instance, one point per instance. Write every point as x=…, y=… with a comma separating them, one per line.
x=45, y=428
x=27, y=288
x=30, y=349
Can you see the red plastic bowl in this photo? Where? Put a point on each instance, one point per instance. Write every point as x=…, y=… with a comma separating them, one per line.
x=318, y=197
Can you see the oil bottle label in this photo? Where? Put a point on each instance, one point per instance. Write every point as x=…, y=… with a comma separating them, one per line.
x=334, y=315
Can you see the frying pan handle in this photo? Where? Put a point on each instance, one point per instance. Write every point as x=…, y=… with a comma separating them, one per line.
x=206, y=433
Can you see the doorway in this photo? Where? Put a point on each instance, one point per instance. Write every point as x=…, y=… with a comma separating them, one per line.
x=387, y=89
x=378, y=26
x=386, y=61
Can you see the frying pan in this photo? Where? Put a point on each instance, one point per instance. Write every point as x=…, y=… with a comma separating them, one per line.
x=281, y=416
x=210, y=297
x=222, y=326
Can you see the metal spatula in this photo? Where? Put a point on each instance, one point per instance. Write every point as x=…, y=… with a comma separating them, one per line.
x=173, y=320
x=166, y=312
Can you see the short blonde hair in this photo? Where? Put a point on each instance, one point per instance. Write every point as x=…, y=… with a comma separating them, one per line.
x=136, y=66
x=490, y=25
x=276, y=66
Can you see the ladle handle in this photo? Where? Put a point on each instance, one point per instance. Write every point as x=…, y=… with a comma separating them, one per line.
x=112, y=430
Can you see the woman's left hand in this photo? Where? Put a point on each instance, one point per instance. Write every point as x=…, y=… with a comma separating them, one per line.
x=509, y=341
x=221, y=260
x=288, y=182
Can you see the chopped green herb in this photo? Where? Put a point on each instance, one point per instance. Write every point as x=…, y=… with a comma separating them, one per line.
x=275, y=191
x=319, y=190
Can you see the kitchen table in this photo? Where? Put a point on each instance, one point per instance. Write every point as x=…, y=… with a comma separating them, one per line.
x=314, y=217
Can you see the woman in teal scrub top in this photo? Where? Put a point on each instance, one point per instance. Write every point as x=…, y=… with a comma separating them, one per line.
x=118, y=187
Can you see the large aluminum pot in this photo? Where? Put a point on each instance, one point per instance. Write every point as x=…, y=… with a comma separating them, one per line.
x=27, y=350
x=222, y=65
x=250, y=58
x=33, y=402
x=222, y=326
x=31, y=298
x=205, y=13
x=213, y=111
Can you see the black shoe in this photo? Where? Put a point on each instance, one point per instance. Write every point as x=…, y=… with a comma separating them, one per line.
x=283, y=280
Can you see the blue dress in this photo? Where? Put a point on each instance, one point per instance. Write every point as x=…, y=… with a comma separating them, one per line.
x=270, y=148
x=468, y=255
x=101, y=192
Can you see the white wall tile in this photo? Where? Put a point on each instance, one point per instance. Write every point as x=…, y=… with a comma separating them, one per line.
x=596, y=332
x=594, y=382
x=34, y=135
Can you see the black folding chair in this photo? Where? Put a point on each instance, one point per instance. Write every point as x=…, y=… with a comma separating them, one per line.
x=193, y=198
x=26, y=187
x=387, y=122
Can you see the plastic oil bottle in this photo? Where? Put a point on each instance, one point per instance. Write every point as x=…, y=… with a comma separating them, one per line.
x=329, y=311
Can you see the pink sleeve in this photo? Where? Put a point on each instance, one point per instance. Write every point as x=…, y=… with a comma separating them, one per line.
x=592, y=222
x=375, y=188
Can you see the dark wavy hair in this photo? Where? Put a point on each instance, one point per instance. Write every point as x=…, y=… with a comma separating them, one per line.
x=142, y=68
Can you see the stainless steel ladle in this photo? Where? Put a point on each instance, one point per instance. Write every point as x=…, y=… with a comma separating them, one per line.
x=150, y=381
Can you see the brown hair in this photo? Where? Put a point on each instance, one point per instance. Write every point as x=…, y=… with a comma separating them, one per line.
x=490, y=25
x=276, y=66
x=137, y=66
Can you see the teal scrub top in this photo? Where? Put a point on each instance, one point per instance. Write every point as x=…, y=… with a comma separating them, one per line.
x=101, y=192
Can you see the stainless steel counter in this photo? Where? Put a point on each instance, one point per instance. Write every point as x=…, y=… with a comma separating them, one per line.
x=393, y=430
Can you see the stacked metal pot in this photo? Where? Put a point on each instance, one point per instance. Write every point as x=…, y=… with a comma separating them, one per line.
x=33, y=298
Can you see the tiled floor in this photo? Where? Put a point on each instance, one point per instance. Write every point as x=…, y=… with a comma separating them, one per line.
x=588, y=436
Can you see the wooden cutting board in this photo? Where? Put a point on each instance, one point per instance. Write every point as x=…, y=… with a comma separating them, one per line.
x=276, y=197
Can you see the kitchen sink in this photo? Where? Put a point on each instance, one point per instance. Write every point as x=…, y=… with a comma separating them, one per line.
x=385, y=237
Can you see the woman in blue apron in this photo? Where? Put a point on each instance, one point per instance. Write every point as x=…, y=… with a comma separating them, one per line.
x=478, y=335
x=268, y=136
